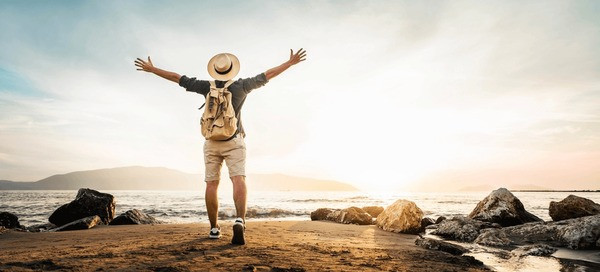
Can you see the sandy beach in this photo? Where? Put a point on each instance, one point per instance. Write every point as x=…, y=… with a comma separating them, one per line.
x=272, y=246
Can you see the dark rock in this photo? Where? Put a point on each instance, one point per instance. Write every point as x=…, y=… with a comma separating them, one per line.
x=352, y=215
x=134, y=217
x=461, y=228
x=433, y=244
x=502, y=207
x=440, y=219
x=425, y=222
x=402, y=216
x=39, y=265
x=431, y=227
x=534, y=250
x=576, y=233
x=374, y=211
x=40, y=227
x=9, y=220
x=573, y=207
x=88, y=202
x=320, y=214
x=80, y=224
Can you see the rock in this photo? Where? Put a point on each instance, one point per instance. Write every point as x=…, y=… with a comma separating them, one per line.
x=431, y=227
x=320, y=214
x=134, y=217
x=9, y=220
x=440, y=219
x=374, y=211
x=433, y=244
x=502, y=207
x=573, y=207
x=534, y=250
x=576, y=233
x=41, y=227
x=88, y=202
x=352, y=215
x=425, y=222
x=80, y=224
x=403, y=216
x=461, y=228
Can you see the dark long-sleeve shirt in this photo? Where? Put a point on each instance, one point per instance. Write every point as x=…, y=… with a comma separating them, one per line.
x=239, y=90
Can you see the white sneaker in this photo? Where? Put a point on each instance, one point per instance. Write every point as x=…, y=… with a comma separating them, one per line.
x=215, y=233
x=238, y=232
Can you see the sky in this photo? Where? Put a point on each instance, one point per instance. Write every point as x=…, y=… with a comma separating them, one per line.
x=394, y=95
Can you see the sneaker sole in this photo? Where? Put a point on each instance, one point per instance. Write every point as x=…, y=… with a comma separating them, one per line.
x=238, y=235
x=214, y=236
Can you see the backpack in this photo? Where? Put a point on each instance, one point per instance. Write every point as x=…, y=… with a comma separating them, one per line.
x=218, y=120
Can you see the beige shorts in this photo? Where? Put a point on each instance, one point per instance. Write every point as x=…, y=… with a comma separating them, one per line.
x=232, y=151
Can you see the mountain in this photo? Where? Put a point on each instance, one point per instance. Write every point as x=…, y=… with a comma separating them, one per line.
x=161, y=178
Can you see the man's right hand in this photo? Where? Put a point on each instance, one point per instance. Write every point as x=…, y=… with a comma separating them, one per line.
x=297, y=57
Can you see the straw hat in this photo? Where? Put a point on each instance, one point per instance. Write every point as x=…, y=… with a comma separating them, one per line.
x=223, y=66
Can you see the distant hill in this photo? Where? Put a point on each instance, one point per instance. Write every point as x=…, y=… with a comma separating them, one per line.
x=160, y=178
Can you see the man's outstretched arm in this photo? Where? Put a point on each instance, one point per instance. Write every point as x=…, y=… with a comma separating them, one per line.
x=147, y=66
x=294, y=59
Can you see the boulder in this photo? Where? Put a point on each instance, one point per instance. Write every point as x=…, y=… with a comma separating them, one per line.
x=374, y=211
x=576, y=233
x=440, y=219
x=573, y=207
x=352, y=215
x=502, y=207
x=425, y=222
x=434, y=244
x=534, y=250
x=9, y=220
x=403, y=216
x=134, y=217
x=461, y=228
x=320, y=214
x=88, y=202
x=80, y=224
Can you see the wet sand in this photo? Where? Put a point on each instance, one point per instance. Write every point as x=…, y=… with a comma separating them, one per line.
x=271, y=246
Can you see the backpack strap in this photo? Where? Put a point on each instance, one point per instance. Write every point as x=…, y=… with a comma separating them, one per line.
x=214, y=85
x=228, y=83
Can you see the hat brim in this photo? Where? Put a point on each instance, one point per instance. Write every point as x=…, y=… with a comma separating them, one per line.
x=235, y=69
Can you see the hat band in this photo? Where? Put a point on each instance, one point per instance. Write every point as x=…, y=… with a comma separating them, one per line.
x=226, y=72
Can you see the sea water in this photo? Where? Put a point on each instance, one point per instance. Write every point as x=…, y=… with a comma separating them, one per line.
x=34, y=207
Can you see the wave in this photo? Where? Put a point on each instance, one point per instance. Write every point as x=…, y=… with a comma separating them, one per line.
x=262, y=213
x=325, y=200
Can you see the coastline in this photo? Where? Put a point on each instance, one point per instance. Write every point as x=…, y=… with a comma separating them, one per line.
x=271, y=246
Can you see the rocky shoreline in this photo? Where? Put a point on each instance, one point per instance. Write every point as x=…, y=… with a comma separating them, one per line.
x=89, y=209
x=499, y=221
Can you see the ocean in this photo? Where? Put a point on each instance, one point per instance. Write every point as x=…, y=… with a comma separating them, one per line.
x=34, y=207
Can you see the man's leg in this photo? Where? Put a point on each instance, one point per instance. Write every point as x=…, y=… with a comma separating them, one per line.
x=213, y=160
x=212, y=202
x=239, y=195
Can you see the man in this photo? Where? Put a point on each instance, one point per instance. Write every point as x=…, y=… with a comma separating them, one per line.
x=224, y=67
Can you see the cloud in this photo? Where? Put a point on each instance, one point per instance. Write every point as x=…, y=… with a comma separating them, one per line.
x=391, y=93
